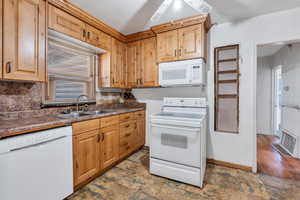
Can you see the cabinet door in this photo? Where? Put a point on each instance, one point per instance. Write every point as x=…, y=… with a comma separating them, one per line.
x=105, y=41
x=167, y=46
x=117, y=67
x=109, y=146
x=149, y=68
x=133, y=64
x=24, y=39
x=86, y=153
x=92, y=36
x=190, y=42
x=123, y=66
x=63, y=22
x=140, y=141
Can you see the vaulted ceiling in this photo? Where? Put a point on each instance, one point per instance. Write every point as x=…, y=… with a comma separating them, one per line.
x=130, y=16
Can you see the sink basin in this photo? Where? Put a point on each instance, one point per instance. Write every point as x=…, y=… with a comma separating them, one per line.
x=80, y=114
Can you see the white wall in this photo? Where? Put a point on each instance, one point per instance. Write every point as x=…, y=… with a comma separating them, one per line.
x=281, y=26
x=264, y=96
x=289, y=59
x=275, y=27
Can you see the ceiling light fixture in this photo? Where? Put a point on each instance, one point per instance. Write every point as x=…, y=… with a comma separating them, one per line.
x=199, y=5
x=177, y=5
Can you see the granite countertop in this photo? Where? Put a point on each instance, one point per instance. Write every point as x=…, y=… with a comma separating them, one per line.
x=21, y=126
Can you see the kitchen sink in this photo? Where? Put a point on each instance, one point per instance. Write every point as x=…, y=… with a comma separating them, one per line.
x=81, y=114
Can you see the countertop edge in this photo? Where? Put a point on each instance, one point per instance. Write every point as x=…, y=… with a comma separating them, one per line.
x=4, y=133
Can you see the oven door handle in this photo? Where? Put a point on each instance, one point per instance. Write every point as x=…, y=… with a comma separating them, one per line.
x=178, y=128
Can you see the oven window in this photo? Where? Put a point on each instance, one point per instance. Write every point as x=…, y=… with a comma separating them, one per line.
x=174, y=140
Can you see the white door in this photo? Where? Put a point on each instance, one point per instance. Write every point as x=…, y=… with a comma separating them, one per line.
x=277, y=98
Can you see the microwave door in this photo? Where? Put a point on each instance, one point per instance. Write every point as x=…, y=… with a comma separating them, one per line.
x=174, y=75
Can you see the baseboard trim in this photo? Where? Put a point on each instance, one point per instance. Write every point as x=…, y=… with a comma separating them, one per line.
x=230, y=165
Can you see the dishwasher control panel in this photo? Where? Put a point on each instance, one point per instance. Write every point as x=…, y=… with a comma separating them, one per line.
x=18, y=142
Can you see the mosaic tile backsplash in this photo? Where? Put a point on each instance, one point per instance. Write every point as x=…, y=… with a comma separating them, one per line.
x=22, y=100
x=15, y=96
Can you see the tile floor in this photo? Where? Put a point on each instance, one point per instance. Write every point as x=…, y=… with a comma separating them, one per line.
x=130, y=180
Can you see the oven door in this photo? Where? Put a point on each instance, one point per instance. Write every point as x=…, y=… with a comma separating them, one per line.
x=176, y=144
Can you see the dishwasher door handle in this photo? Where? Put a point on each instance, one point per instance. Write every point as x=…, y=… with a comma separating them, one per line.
x=38, y=144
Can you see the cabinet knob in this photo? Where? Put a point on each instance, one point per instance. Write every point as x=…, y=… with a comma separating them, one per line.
x=175, y=52
x=8, y=67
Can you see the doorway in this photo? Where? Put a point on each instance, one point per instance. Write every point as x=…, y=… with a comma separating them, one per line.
x=278, y=110
x=277, y=94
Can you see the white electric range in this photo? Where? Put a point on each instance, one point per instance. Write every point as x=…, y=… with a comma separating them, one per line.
x=178, y=140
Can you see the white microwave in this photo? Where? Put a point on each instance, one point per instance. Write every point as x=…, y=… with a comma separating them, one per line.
x=182, y=73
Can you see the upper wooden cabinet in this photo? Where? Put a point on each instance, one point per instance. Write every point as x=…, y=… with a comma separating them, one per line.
x=24, y=40
x=105, y=41
x=133, y=64
x=112, y=69
x=167, y=46
x=118, y=64
x=181, y=44
x=141, y=63
x=191, y=42
x=63, y=22
x=149, y=68
x=92, y=35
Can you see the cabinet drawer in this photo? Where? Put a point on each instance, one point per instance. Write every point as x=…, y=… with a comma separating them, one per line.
x=126, y=134
x=81, y=127
x=125, y=147
x=140, y=115
x=128, y=126
x=109, y=121
x=127, y=117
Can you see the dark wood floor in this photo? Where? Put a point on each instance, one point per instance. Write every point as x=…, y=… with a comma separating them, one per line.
x=271, y=162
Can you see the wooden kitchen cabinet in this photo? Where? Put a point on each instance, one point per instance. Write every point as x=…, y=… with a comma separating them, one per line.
x=98, y=144
x=141, y=63
x=87, y=156
x=24, y=40
x=190, y=42
x=92, y=35
x=134, y=64
x=149, y=67
x=167, y=46
x=118, y=64
x=140, y=129
x=110, y=146
x=181, y=44
x=65, y=23
x=105, y=41
x=112, y=68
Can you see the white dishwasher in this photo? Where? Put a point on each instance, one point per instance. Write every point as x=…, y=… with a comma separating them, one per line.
x=37, y=166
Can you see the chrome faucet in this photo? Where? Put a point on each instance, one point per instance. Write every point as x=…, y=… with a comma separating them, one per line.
x=79, y=98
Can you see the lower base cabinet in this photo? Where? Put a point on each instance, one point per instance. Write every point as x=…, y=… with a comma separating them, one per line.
x=86, y=150
x=110, y=146
x=100, y=144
